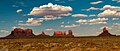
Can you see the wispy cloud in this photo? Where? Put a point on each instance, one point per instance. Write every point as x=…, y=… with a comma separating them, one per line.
x=93, y=21
x=49, y=29
x=4, y=31
x=97, y=2
x=37, y=21
x=70, y=26
x=79, y=15
x=19, y=10
x=92, y=8
x=109, y=28
x=116, y=0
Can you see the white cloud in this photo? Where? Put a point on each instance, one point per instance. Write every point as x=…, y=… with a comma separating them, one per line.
x=92, y=8
x=115, y=18
x=50, y=9
x=116, y=0
x=4, y=31
x=106, y=27
x=20, y=10
x=71, y=26
x=50, y=18
x=115, y=8
x=97, y=2
x=30, y=24
x=93, y=21
x=79, y=15
x=20, y=21
x=110, y=11
x=49, y=29
x=97, y=23
x=37, y=21
x=62, y=23
x=17, y=27
x=82, y=21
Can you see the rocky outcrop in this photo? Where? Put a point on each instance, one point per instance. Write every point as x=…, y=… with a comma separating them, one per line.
x=105, y=33
x=59, y=34
x=20, y=33
x=42, y=35
x=70, y=33
x=63, y=34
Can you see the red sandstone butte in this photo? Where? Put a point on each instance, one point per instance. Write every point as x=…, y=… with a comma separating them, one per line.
x=20, y=33
x=42, y=35
x=105, y=33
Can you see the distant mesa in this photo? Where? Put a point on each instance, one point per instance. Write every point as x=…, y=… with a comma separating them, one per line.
x=105, y=33
x=63, y=34
x=20, y=33
x=42, y=35
x=28, y=33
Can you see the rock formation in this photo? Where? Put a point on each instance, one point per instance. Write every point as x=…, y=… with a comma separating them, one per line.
x=42, y=35
x=105, y=33
x=20, y=33
x=70, y=33
x=63, y=34
x=59, y=34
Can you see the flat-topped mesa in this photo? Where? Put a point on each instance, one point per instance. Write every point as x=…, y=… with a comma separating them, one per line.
x=18, y=30
x=63, y=34
x=28, y=31
x=105, y=33
x=59, y=33
x=20, y=33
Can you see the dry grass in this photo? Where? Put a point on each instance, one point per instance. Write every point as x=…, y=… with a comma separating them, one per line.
x=62, y=44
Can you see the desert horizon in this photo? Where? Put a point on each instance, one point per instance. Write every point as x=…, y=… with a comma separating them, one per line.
x=59, y=25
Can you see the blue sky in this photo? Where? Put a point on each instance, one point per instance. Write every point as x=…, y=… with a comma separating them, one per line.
x=85, y=18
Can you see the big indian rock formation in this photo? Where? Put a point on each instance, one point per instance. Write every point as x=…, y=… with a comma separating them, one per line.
x=105, y=33
x=21, y=33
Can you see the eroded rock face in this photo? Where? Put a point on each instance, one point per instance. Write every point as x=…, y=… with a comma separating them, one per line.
x=20, y=33
x=63, y=34
x=105, y=33
x=42, y=35
x=57, y=33
x=70, y=33
x=18, y=30
x=28, y=31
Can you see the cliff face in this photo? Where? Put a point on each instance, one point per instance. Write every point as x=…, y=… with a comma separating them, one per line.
x=105, y=33
x=63, y=34
x=42, y=35
x=70, y=33
x=28, y=33
x=20, y=33
x=58, y=33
